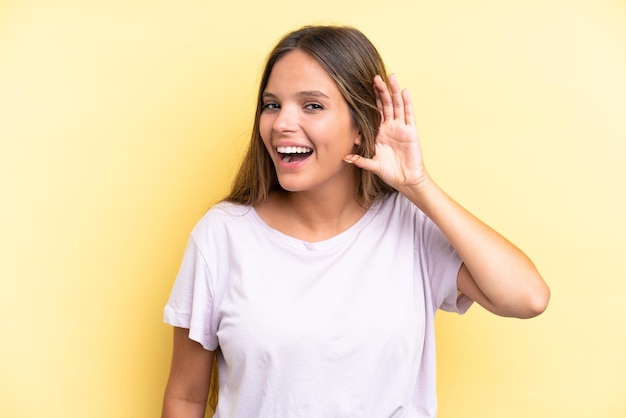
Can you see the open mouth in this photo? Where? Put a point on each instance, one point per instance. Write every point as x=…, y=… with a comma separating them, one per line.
x=293, y=154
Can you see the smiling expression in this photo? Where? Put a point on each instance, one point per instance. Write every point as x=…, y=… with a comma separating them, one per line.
x=306, y=126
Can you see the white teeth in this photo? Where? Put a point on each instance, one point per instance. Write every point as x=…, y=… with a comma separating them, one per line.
x=293, y=150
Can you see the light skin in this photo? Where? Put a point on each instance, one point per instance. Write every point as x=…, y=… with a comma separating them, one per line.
x=303, y=106
x=320, y=203
x=188, y=384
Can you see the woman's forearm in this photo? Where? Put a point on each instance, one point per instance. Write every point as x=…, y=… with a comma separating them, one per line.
x=503, y=273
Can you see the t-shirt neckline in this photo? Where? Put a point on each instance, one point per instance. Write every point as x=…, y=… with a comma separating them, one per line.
x=327, y=244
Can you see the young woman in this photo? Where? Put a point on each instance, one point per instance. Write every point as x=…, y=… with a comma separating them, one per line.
x=314, y=284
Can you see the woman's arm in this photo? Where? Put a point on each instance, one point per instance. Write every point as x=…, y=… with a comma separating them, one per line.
x=495, y=273
x=188, y=384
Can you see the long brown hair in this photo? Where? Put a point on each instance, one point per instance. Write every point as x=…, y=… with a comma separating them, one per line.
x=352, y=61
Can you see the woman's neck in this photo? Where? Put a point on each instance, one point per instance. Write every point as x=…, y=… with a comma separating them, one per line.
x=310, y=216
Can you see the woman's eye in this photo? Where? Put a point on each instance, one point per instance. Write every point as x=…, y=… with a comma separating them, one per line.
x=314, y=106
x=269, y=106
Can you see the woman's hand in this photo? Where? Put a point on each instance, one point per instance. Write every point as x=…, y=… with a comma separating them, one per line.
x=398, y=157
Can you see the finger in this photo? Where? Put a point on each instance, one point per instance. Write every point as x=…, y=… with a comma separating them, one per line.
x=362, y=162
x=385, y=97
x=409, y=113
x=379, y=103
x=396, y=97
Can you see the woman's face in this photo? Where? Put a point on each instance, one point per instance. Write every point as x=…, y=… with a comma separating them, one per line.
x=306, y=127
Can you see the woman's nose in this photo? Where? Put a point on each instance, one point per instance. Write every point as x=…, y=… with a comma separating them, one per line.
x=286, y=120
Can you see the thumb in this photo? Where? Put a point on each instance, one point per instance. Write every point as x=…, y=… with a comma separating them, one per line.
x=361, y=162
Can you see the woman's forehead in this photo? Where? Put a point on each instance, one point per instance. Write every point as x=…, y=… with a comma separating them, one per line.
x=299, y=72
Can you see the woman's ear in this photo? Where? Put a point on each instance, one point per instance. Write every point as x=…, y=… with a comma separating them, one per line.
x=357, y=139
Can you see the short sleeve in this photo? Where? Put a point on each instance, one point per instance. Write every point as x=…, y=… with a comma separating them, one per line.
x=442, y=265
x=191, y=301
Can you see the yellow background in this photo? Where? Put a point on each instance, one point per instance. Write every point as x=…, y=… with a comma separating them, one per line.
x=121, y=122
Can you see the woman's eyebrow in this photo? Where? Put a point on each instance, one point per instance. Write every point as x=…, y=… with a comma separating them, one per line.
x=306, y=93
x=312, y=93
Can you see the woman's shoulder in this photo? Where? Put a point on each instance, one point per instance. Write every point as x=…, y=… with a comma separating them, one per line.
x=221, y=215
x=397, y=211
x=226, y=209
x=395, y=201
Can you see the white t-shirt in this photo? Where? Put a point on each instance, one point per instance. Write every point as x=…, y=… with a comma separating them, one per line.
x=338, y=328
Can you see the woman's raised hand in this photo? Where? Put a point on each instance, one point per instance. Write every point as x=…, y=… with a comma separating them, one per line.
x=398, y=159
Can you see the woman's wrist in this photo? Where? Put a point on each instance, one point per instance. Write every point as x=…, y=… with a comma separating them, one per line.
x=422, y=193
